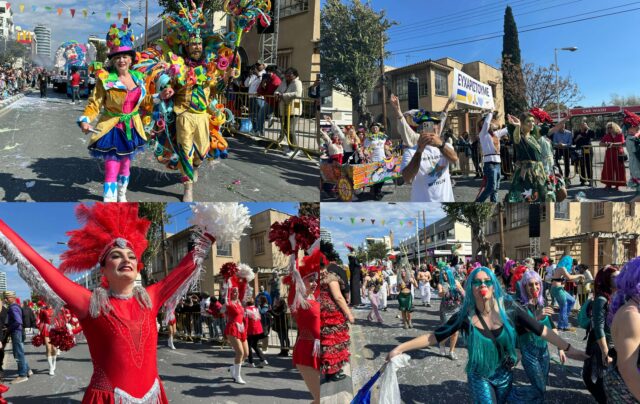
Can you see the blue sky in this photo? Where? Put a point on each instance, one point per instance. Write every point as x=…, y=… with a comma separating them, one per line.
x=604, y=63
x=344, y=231
x=65, y=28
x=43, y=226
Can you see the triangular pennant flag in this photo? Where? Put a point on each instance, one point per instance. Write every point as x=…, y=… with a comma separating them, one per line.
x=353, y=220
x=119, y=16
x=340, y=217
x=382, y=222
x=8, y=6
x=409, y=222
x=33, y=8
x=373, y=221
x=108, y=15
x=59, y=11
x=362, y=219
x=21, y=7
x=48, y=8
x=331, y=218
x=401, y=222
x=73, y=12
x=84, y=12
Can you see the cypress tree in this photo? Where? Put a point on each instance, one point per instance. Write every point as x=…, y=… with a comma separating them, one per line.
x=515, y=101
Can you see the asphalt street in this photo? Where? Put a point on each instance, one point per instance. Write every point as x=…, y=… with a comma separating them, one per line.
x=44, y=157
x=430, y=377
x=193, y=373
x=466, y=190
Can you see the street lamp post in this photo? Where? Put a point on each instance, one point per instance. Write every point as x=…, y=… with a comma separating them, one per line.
x=417, y=231
x=557, y=69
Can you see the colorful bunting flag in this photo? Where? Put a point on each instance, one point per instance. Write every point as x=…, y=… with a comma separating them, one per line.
x=401, y=222
x=84, y=12
x=353, y=220
x=73, y=12
x=48, y=8
x=21, y=7
x=59, y=11
x=119, y=16
x=373, y=221
x=108, y=15
x=362, y=219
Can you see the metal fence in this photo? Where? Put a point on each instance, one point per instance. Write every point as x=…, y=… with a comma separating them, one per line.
x=196, y=327
x=261, y=118
x=584, y=164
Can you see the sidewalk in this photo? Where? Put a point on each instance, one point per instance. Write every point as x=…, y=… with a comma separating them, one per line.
x=12, y=99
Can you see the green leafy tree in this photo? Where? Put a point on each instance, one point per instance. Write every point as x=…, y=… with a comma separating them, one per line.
x=101, y=52
x=309, y=209
x=377, y=251
x=172, y=6
x=11, y=51
x=475, y=215
x=515, y=101
x=350, y=48
x=157, y=214
x=622, y=101
x=329, y=251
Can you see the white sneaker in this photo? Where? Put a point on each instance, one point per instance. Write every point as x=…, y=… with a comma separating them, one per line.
x=51, y=372
x=265, y=362
x=290, y=153
x=73, y=103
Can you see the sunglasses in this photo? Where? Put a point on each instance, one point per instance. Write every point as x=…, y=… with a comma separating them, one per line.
x=477, y=283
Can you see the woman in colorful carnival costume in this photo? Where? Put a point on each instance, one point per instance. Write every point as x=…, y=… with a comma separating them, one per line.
x=451, y=292
x=374, y=150
x=237, y=289
x=290, y=236
x=373, y=282
x=534, y=349
x=193, y=64
x=543, y=127
x=599, y=342
x=492, y=321
x=632, y=127
x=530, y=181
x=119, y=134
x=562, y=273
x=118, y=317
x=622, y=378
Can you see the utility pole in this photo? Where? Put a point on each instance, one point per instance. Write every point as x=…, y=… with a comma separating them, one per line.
x=146, y=22
x=424, y=235
x=382, y=82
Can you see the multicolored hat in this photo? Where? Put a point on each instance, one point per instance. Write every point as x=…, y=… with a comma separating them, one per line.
x=120, y=40
x=187, y=26
x=422, y=116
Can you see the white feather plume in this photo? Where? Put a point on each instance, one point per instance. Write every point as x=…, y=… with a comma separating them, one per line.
x=245, y=272
x=226, y=221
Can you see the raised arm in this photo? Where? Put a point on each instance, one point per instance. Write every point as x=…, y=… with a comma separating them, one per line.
x=179, y=278
x=41, y=275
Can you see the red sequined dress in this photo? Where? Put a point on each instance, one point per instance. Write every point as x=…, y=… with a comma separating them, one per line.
x=236, y=326
x=334, y=335
x=306, y=351
x=122, y=343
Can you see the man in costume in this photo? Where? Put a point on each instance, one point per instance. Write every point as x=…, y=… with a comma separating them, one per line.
x=193, y=64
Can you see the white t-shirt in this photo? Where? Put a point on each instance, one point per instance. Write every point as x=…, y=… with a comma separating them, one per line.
x=433, y=182
x=376, y=145
x=486, y=142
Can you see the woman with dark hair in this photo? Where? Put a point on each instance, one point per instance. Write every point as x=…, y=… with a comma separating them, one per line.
x=492, y=322
x=622, y=379
x=534, y=349
x=119, y=134
x=599, y=342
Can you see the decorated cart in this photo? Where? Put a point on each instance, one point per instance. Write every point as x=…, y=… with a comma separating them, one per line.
x=351, y=179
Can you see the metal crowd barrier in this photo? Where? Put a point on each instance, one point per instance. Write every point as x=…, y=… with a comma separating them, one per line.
x=196, y=327
x=251, y=113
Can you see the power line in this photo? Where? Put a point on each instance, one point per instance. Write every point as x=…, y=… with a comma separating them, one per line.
x=494, y=35
x=404, y=36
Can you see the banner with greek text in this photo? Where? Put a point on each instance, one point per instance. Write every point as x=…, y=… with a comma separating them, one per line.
x=472, y=92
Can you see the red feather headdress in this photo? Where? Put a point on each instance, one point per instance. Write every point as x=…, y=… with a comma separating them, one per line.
x=541, y=115
x=106, y=225
x=631, y=120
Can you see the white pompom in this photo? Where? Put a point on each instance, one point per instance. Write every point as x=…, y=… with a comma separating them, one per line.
x=225, y=221
x=245, y=272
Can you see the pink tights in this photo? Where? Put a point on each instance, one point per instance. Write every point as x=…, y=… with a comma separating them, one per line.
x=113, y=168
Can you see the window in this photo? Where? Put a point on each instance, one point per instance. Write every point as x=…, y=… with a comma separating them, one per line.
x=442, y=84
x=601, y=261
x=450, y=233
x=258, y=244
x=284, y=58
x=522, y=253
x=223, y=249
x=561, y=210
x=375, y=96
x=629, y=251
x=543, y=212
x=292, y=7
x=402, y=87
x=519, y=214
x=598, y=209
x=630, y=209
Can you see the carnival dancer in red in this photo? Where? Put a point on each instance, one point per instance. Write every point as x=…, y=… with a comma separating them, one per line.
x=118, y=317
x=45, y=320
x=172, y=328
x=290, y=236
x=237, y=278
x=255, y=332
